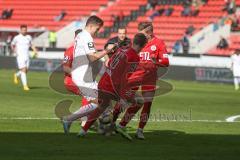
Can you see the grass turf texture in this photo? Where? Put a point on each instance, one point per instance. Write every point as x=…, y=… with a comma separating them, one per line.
x=43, y=138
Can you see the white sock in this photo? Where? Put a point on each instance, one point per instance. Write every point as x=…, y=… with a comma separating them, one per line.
x=238, y=78
x=24, y=78
x=81, y=112
x=18, y=73
x=236, y=83
x=84, y=120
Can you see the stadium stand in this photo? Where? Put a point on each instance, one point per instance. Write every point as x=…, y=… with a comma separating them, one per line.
x=234, y=43
x=172, y=28
x=28, y=12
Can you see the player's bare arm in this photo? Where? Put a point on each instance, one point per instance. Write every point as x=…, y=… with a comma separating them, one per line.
x=98, y=55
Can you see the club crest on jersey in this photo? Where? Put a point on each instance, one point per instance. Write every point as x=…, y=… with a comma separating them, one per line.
x=153, y=48
x=66, y=58
x=91, y=45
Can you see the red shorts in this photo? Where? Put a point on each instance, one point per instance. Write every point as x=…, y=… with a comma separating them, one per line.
x=70, y=85
x=146, y=79
x=105, y=85
x=148, y=86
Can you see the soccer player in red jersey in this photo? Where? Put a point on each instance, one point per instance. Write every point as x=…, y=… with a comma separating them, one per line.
x=152, y=56
x=113, y=85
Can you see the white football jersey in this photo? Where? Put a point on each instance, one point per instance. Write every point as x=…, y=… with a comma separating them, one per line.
x=22, y=44
x=83, y=46
x=236, y=65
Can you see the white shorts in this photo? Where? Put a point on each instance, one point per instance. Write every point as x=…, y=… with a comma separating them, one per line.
x=23, y=62
x=236, y=72
x=88, y=90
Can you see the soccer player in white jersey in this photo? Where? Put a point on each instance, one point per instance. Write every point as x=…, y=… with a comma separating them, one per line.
x=82, y=69
x=236, y=68
x=20, y=45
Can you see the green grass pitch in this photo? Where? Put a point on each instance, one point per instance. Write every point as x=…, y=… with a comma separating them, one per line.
x=203, y=135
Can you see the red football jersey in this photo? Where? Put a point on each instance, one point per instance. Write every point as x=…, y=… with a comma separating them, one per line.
x=146, y=73
x=68, y=58
x=121, y=65
x=154, y=49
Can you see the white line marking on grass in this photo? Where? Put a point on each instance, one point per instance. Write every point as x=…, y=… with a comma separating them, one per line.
x=157, y=120
x=232, y=118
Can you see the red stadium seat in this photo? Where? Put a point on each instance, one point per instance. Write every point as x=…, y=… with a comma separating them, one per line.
x=41, y=13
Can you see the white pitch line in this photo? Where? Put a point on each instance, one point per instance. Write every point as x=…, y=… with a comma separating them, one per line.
x=157, y=120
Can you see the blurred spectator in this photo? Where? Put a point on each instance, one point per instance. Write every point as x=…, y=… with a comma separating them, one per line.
x=190, y=30
x=223, y=44
x=7, y=13
x=186, y=11
x=169, y=11
x=156, y=13
x=226, y=5
x=60, y=16
x=195, y=11
x=52, y=39
x=196, y=3
x=187, y=3
x=204, y=2
x=235, y=22
x=185, y=44
x=230, y=6
x=177, y=47
x=152, y=4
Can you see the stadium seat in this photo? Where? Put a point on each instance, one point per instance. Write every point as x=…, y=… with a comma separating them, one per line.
x=28, y=12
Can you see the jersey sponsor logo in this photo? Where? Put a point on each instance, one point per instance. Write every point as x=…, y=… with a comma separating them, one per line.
x=145, y=56
x=165, y=55
x=153, y=48
x=66, y=59
x=91, y=45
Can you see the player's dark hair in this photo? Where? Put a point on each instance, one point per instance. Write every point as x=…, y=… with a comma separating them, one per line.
x=94, y=20
x=122, y=28
x=77, y=31
x=144, y=25
x=23, y=26
x=140, y=39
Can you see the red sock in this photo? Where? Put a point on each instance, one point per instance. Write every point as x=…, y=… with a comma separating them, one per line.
x=84, y=101
x=145, y=114
x=131, y=111
x=92, y=117
x=116, y=111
